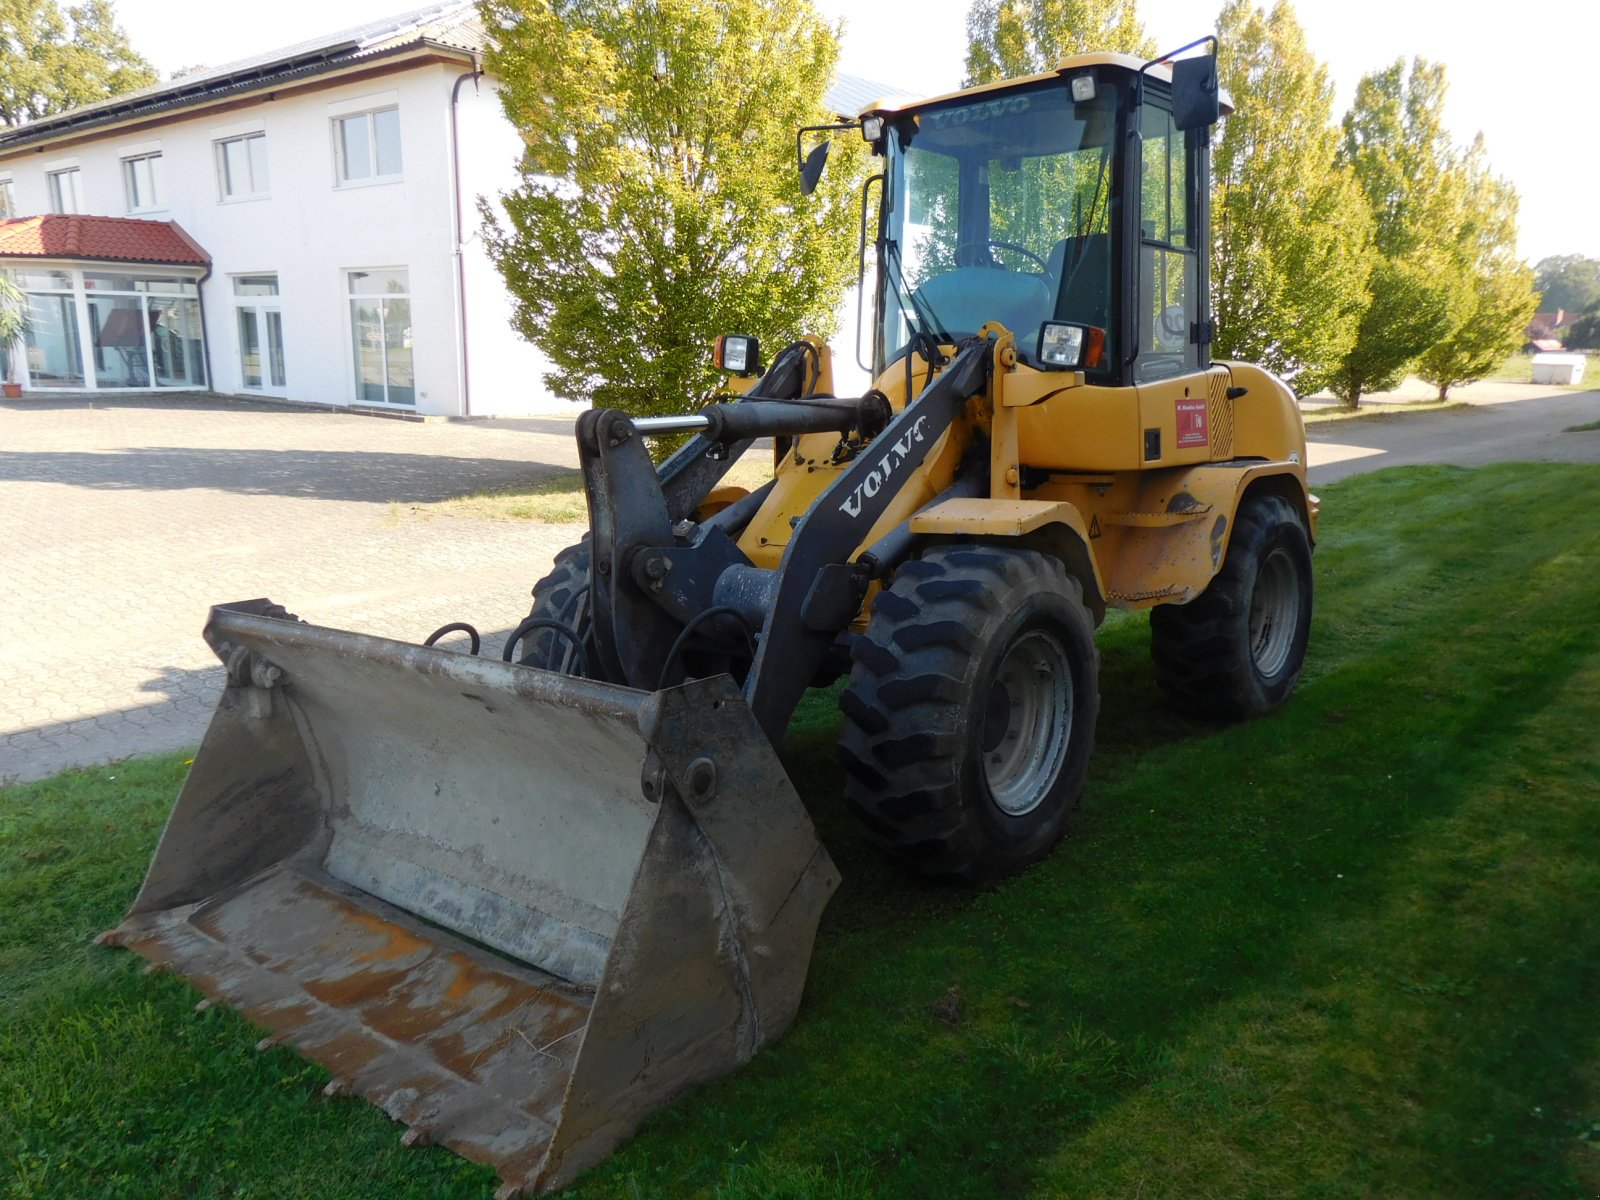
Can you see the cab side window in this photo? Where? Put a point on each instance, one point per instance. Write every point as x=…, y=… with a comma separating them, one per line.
x=1168, y=288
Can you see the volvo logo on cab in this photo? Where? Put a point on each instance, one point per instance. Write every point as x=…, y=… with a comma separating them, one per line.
x=887, y=466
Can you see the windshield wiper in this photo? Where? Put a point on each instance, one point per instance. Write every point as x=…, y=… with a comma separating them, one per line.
x=926, y=320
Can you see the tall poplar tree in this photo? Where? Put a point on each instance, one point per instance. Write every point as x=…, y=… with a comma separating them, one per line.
x=1568, y=282
x=1006, y=38
x=1500, y=295
x=1395, y=140
x=660, y=203
x=54, y=58
x=1291, y=228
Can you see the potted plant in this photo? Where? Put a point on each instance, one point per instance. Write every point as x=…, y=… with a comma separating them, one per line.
x=13, y=323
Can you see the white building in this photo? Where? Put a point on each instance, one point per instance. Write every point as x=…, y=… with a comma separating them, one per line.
x=300, y=225
x=328, y=191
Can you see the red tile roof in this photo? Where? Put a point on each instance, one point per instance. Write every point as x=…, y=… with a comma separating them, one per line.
x=119, y=239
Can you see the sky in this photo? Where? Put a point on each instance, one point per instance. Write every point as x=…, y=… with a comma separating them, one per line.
x=1521, y=82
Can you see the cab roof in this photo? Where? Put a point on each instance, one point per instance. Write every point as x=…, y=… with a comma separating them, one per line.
x=1073, y=62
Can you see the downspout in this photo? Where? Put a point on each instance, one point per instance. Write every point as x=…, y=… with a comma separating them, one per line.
x=205, y=334
x=456, y=232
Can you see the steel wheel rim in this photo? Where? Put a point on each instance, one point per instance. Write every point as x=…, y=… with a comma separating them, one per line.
x=1027, y=722
x=1274, y=613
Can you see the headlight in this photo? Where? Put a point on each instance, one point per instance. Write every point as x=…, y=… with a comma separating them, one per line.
x=1060, y=345
x=1064, y=344
x=872, y=128
x=737, y=354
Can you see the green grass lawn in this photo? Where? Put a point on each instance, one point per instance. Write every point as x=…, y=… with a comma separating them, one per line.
x=1519, y=369
x=1347, y=951
x=1381, y=412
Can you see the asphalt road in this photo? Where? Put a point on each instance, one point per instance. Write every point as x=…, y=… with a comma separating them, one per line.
x=1528, y=426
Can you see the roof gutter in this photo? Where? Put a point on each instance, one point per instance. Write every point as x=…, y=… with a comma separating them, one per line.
x=218, y=93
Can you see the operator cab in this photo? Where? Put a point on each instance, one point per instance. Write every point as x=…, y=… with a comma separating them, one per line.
x=1070, y=197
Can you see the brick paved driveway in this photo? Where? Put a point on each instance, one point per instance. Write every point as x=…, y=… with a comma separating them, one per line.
x=121, y=522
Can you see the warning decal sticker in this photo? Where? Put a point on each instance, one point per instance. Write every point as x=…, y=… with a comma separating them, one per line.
x=1192, y=424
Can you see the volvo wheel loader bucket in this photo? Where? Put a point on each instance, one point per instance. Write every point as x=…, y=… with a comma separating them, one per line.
x=519, y=911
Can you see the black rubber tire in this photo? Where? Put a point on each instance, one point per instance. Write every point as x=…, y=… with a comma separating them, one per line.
x=1215, y=657
x=919, y=735
x=562, y=595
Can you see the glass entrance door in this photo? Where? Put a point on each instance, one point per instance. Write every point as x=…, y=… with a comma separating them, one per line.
x=260, y=327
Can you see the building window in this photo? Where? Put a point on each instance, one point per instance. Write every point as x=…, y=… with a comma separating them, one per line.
x=242, y=167
x=367, y=146
x=380, y=336
x=51, y=341
x=112, y=329
x=259, y=318
x=66, y=190
x=141, y=175
x=8, y=200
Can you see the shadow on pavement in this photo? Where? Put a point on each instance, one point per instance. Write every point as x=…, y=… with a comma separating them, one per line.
x=373, y=476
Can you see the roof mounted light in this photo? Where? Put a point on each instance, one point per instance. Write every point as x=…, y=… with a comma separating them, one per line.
x=872, y=128
x=1082, y=88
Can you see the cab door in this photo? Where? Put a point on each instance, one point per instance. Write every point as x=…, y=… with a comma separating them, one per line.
x=1172, y=370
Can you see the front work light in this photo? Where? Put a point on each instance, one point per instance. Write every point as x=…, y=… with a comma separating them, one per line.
x=1063, y=344
x=737, y=354
x=1083, y=88
x=871, y=128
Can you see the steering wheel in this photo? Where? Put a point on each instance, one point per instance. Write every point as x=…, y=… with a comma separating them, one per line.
x=1022, y=250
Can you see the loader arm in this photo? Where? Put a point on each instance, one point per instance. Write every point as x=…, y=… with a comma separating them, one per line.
x=654, y=579
x=819, y=590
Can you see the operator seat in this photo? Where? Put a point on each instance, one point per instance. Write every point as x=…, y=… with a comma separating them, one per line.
x=1087, y=296
x=967, y=297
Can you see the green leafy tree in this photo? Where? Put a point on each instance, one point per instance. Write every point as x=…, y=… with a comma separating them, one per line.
x=53, y=59
x=1500, y=291
x=1569, y=282
x=1291, y=227
x=660, y=204
x=1395, y=140
x=1584, y=333
x=1006, y=38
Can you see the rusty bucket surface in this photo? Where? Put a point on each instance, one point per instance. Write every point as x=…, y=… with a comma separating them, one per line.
x=517, y=910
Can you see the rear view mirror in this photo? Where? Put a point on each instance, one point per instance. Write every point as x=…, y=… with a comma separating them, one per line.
x=811, y=169
x=1196, y=98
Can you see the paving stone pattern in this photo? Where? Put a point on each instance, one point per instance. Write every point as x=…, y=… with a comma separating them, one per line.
x=122, y=522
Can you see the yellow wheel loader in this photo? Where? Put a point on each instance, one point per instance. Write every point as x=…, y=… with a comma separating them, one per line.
x=522, y=904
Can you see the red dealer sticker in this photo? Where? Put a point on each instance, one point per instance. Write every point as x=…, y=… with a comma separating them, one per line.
x=1192, y=424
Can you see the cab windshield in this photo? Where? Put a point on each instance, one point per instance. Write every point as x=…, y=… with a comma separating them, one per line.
x=999, y=209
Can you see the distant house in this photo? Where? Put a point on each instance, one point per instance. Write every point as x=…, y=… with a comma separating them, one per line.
x=301, y=224
x=1541, y=331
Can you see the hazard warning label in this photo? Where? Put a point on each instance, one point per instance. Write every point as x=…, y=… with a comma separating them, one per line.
x=1192, y=424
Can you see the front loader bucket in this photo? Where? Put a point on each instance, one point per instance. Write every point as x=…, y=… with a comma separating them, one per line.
x=519, y=911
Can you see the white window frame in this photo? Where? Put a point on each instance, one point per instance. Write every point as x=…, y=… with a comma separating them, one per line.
x=53, y=187
x=157, y=181
x=367, y=115
x=350, y=295
x=257, y=192
x=260, y=306
x=8, y=197
x=80, y=296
